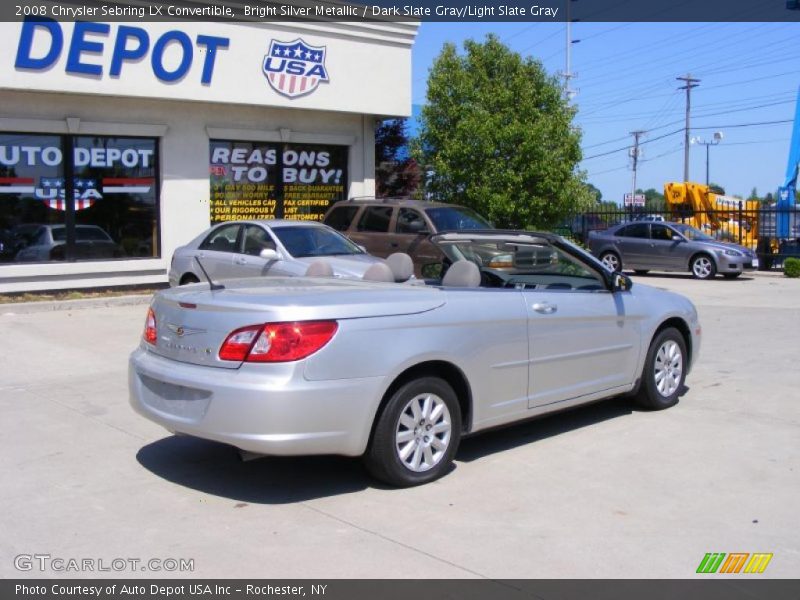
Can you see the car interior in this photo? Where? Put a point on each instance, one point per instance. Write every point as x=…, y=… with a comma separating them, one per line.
x=529, y=266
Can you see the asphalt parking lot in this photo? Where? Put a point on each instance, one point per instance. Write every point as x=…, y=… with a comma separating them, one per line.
x=601, y=491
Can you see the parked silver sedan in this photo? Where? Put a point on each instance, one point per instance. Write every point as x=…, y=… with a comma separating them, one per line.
x=256, y=248
x=652, y=246
x=398, y=373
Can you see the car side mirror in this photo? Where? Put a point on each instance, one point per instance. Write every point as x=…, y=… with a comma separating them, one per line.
x=417, y=227
x=269, y=254
x=678, y=238
x=622, y=283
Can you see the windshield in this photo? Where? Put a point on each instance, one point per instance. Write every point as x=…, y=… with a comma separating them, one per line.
x=690, y=233
x=302, y=242
x=456, y=218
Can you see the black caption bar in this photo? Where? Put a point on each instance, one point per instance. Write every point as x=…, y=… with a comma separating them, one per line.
x=410, y=10
x=481, y=589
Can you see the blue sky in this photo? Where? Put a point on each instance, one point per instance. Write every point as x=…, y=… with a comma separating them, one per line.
x=627, y=81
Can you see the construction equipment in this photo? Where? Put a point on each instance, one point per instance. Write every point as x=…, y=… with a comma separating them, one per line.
x=722, y=217
x=784, y=225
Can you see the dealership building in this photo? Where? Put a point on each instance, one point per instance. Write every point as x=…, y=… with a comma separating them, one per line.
x=121, y=141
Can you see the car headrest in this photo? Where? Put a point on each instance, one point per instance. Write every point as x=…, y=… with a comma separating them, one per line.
x=401, y=265
x=379, y=272
x=462, y=273
x=319, y=268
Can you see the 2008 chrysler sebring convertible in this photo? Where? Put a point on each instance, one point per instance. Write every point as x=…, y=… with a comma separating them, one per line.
x=519, y=325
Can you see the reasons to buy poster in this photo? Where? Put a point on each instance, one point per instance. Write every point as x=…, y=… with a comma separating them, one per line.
x=251, y=180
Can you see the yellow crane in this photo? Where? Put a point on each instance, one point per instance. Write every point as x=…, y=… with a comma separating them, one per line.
x=722, y=217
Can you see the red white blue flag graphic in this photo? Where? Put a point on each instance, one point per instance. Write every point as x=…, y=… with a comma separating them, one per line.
x=87, y=191
x=16, y=185
x=294, y=68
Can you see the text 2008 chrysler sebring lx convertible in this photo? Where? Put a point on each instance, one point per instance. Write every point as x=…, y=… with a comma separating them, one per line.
x=521, y=324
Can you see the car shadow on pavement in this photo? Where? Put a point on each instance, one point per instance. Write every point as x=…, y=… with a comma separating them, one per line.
x=520, y=434
x=216, y=469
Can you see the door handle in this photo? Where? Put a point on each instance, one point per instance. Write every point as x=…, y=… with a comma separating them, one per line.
x=240, y=260
x=545, y=308
x=393, y=244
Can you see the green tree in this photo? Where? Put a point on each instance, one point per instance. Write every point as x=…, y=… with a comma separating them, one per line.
x=396, y=172
x=716, y=188
x=497, y=135
x=595, y=193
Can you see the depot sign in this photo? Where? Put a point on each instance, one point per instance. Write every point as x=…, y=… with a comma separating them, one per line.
x=261, y=64
x=171, y=54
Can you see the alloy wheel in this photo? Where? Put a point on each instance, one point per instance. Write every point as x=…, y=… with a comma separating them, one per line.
x=702, y=267
x=423, y=432
x=611, y=261
x=668, y=368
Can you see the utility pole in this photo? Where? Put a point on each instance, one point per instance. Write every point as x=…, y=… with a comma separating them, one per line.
x=689, y=83
x=569, y=93
x=635, y=153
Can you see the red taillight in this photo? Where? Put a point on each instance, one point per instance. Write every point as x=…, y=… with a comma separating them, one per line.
x=150, y=333
x=238, y=344
x=277, y=342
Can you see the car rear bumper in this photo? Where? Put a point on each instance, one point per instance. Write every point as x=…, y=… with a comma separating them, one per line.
x=251, y=410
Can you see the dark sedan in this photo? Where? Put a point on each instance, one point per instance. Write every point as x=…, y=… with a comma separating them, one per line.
x=651, y=246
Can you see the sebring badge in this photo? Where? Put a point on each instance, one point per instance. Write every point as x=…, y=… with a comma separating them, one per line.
x=294, y=68
x=181, y=331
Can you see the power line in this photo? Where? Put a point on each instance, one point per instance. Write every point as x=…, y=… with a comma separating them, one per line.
x=729, y=126
x=746, y=124
x=626, y=147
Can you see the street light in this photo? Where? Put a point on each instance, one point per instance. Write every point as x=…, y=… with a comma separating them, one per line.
x=717, y=138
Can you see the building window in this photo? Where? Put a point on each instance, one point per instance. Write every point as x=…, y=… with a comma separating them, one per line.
x=114, y=211
x=251, y=180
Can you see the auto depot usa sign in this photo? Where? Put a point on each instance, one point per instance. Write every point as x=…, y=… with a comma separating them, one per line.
x=212, y=62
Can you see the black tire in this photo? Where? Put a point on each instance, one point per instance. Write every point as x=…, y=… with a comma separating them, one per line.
x=382, y=458
x=730, y=275
x=649, y=396
x=188, y=278
x=610, y=258
x=702, y=266
x=641, y=271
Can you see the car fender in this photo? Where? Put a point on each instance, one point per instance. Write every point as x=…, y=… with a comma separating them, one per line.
x=696, y=252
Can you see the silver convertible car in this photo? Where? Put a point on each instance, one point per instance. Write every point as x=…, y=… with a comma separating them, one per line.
x=286, y=248
x=399, y=372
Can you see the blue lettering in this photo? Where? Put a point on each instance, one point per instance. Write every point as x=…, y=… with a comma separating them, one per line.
x=121, y=51
x=211, y=43
x=24, y=59
x=79, y=45
x=42, y=41
x=318, y=71
x=157, y=59
x=296, y=67
x=268, y=66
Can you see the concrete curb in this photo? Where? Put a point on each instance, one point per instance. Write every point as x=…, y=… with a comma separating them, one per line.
x=26, y=308
x=765, y=273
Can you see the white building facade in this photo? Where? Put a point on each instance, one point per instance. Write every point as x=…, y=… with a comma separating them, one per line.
x=156, y=130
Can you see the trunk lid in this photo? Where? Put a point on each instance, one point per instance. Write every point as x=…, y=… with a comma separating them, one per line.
x=193, y=321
